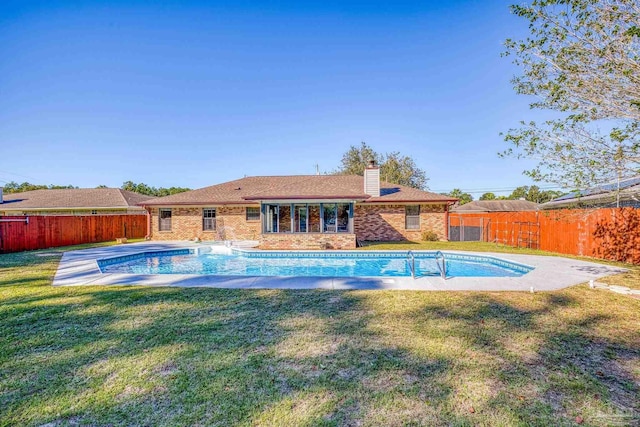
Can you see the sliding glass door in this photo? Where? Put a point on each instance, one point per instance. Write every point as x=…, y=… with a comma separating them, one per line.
x=329, y=218
x=300, y=218
x=308, y=218
x=271, y=219
x=337, y=217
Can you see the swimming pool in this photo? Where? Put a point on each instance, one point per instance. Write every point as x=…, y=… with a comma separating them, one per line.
x=236, y=262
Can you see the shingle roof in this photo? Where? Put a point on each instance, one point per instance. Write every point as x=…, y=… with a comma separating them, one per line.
x=603, y=195
x=311, y=187
x=73, y=198
x=601, y=189
x=630, y=196
x=496, y=206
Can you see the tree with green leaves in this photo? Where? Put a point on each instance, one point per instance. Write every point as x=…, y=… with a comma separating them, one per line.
x=356, y=159
x=533, y=194
x=519, y=193
x=582, y=61
x=399, y=169
x=536, y=195
x=488, y=196
x=145, y=189
x=395, y=168
x=459, y=194
x=14, y=187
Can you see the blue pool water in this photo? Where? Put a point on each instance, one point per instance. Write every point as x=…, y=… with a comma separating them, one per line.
x=317, y=264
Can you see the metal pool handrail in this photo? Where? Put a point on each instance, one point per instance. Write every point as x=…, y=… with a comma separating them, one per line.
x=411, y=260
x=442, y=267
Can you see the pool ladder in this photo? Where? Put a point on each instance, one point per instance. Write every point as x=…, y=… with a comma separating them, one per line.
x=440, y=262
x=411, y=260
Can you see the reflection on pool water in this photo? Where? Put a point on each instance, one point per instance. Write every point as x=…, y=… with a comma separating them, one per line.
x=234, y=262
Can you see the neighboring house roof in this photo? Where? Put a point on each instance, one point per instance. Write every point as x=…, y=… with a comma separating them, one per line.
x=496, y=206
x=600, y=196
x=301, y=187
x=73, y=198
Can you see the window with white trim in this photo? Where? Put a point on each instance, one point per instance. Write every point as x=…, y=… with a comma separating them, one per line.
x=253, y=214
x=208, y=219
x=412, y=217
x=165, y=220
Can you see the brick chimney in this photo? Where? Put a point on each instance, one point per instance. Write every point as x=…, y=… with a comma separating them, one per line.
x=372, y=179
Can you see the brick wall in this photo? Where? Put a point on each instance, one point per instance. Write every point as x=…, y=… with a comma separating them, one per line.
x=186, y=223
x=285, y=219
x=371, y=222
x=308, y=241
x=233, y=224
x=314, y=218
x=387, y=222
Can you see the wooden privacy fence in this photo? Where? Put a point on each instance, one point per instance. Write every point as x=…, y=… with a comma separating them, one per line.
x=41, y=232
x=603, y=233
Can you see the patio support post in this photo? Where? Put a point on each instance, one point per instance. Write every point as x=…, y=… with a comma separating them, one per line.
x=351, y=209
x=148, y=236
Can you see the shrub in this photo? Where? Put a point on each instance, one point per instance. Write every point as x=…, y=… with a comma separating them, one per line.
x=430, y=236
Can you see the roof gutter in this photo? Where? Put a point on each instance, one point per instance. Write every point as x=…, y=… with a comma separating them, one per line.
x=25, y=208
x=315, y=197
x=256, y=199
x=474, y=211
x=210, y=203
x=589, y=200
x=389, y=202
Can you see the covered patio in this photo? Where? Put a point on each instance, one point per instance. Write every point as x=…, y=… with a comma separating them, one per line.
x=312, y=217
x=307, y=224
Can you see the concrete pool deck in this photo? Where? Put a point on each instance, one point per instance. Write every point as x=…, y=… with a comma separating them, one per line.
x=78, y=268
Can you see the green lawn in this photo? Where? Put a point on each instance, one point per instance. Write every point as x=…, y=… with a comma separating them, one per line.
x=164, y=356
x=458, y=246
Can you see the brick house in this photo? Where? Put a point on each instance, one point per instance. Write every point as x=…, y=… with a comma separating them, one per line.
x=300, y=212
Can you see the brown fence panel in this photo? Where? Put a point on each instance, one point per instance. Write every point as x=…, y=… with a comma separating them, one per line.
x=607, y=233
x=52, y=231
x=509, y=228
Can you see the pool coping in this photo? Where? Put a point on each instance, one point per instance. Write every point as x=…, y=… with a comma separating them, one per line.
x=80, y=268
x=302, y=254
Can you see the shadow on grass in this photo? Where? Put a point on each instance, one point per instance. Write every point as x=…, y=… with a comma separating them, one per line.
x=558, y=369
x=231, y=355
x=167, y=356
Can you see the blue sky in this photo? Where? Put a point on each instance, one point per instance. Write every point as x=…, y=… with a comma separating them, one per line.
x=196, y=93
